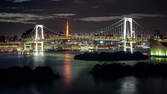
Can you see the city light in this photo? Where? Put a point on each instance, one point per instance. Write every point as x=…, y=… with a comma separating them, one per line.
x=67, y=29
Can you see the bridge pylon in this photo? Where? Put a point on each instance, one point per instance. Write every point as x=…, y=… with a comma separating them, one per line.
x=128, y=31
x=39, y=36
x=39, y=32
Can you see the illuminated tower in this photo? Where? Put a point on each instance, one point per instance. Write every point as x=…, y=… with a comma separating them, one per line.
x=128, y=31
x=67, y=29
x=39, y=34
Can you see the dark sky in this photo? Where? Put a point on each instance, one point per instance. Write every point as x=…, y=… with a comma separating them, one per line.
x=83, y=15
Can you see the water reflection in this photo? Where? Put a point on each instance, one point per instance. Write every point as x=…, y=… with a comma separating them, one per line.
x=75, y=77
x=158, y=60
x=128, y=85
x=67, y=70
x=38, y=59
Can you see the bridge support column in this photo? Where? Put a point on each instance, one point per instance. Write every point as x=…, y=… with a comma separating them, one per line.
x=37, y=46
x=27, y=46
x=124, y=29
x=125, y=46
x=129, y=47
x=42, y=46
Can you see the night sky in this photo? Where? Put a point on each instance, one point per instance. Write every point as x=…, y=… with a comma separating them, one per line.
x=17, y=16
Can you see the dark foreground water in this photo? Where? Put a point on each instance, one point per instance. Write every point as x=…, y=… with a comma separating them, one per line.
x=75, y=78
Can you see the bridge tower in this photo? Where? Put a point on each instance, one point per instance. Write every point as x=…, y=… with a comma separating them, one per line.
x=128, y=31
x=39, y=31
x=67, y=29
x=39, y=36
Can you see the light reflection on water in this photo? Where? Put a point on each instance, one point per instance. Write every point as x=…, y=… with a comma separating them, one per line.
x=38, y=59
x=67, y=69
x=158, y=60
x=128, y=85
x=75, y=78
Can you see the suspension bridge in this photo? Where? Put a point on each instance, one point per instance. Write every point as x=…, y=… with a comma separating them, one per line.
x=125, y=30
